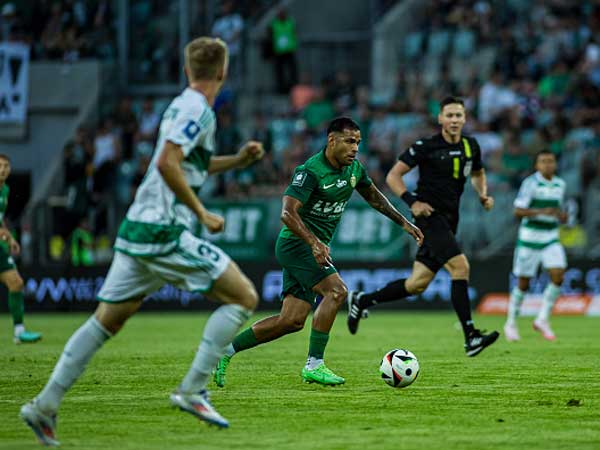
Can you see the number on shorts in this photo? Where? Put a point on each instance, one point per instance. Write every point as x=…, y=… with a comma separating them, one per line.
x=207, y=252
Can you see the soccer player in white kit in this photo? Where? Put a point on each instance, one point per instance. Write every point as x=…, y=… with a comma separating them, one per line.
x=156, y=245
x=538, y=205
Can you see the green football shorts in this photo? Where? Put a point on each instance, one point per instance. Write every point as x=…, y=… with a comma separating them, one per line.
x=6, y=260
x=300, y=270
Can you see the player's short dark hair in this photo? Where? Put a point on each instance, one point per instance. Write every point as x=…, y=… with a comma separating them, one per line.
x=451, y=100
x=339, y=124
x=4, y=156
x=544, y=151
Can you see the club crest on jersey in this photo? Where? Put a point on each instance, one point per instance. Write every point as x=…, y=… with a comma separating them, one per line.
x=353, y=181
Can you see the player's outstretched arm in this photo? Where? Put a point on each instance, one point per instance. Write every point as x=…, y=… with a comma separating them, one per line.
x=479, y=182
x=380, y=202
x=291, y=218
x=169, y=166
x=251, y=151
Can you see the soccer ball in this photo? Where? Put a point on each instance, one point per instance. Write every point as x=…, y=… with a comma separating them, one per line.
x=399, y=368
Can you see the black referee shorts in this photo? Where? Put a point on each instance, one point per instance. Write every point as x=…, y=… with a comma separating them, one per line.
x=440, y=243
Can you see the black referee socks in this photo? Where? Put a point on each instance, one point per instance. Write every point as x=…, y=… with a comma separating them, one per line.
x=390, y=292
x=460, y=302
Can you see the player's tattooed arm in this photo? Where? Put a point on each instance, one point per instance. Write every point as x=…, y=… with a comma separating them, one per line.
x=291, y=218
x=380, y=202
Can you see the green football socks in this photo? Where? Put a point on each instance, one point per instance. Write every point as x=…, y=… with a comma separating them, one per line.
x=318, y=342
x=245, y=340
x=16, y=306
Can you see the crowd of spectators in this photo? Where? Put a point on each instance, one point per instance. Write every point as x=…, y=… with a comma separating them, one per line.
x=529, y=72
x=61, y=29
x=534, y=84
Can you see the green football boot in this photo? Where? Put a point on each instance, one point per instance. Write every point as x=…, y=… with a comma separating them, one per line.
x=27, y=337
x=219, y=373
x=321, y=375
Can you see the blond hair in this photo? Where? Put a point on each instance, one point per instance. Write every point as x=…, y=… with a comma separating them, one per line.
x=205, y=58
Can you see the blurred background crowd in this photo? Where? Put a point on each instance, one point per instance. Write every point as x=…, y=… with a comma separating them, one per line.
x=529, y=73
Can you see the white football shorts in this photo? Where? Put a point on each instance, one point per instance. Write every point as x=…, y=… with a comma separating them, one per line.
x=527, y=260
x=193, y=266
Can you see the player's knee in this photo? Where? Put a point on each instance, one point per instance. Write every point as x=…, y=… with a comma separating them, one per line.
x=15, y=284
x=416, y=286
x=461, y=270
x=339, y=293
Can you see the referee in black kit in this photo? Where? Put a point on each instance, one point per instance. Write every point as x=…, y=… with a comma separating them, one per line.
x=445, y=160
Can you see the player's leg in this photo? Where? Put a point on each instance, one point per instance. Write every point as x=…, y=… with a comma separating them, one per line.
x=196, y=265
x=16, y=304
x=290, y=319
x=297, y=303
x=525, y=265
x=121, y=296
x=359, y=302
x=475, y=340
x=554, y=260
x=511, y=331
x=439, y=245
x=334, y=292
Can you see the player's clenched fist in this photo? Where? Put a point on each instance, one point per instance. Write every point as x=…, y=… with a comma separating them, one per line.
x=252, y=151
x=487, y=202
x=213, y=222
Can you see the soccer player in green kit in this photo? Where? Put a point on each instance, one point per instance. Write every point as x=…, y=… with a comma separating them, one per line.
x=9, y=276
x=313, y=204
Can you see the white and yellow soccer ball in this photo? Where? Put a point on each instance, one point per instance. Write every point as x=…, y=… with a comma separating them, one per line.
x=399, y=368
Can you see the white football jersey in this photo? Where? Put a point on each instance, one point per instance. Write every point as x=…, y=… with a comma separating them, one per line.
x=156, y=218
x=537, y=192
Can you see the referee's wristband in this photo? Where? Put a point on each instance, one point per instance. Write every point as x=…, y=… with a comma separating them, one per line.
x=409, y=198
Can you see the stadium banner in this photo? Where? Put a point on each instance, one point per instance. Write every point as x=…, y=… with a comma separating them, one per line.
x=245, y=236
x=365, y=234
x=75, y=289
x=14, y=82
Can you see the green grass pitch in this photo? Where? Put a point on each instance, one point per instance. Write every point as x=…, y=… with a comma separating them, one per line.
x=531, y=395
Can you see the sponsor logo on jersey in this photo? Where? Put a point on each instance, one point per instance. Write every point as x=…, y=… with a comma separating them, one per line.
x=341, y=183
x=327, y=186
x=455, y=153
x=322, y=208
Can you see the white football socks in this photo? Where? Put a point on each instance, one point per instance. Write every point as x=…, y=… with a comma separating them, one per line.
x=313, y=363
x=514, y=304
x=80, y=348
x=221, y=328
x=229, y=350
x=551, y=293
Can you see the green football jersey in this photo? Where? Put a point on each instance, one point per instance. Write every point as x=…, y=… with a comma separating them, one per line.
x=324, y=192
x=3, y=200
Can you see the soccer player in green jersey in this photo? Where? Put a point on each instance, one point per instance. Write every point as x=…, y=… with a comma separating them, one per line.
x=9, y=276
x=313, y=204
